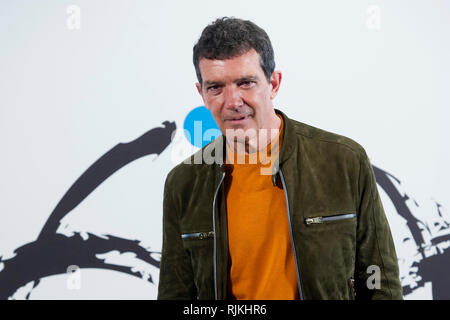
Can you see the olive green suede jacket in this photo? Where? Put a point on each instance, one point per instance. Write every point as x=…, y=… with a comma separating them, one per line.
x=339, y=231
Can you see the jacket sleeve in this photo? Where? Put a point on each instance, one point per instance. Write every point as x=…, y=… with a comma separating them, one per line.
x=376, y=265
x=176, y=280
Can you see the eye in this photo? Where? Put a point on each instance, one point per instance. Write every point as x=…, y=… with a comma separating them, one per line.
x=213, y=89
x=247, y=84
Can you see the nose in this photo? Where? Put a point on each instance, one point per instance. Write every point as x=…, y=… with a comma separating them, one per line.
x=232, y=97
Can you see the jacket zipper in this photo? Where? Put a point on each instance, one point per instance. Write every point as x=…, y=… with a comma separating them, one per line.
x=291, y=234
x=198, y=235
x=317, y=220
x=214, y=234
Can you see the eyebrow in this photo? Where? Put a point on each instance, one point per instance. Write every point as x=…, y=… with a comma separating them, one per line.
x=241, y=79
x=208, y=83
x=247, y=78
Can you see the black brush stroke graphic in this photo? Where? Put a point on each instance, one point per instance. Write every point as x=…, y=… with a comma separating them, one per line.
x=153, y=141
x=432, y=269
x=52, y=253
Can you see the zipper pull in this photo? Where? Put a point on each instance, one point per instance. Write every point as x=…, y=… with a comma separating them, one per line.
x=313, y=220
x=205, y=235
x=352, y=287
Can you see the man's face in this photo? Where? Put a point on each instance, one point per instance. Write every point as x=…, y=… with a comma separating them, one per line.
x=237, y=92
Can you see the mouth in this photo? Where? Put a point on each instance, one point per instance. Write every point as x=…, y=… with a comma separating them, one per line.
x=239, y=119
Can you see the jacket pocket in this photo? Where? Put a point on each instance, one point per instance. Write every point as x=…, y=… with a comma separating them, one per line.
x=325, y=219
x=197, y=235
x=200, y=246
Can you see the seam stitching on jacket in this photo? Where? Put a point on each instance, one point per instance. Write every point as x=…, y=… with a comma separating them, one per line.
x=329, y=141
x=376, y=237
x=169, y=194
x=359, y=184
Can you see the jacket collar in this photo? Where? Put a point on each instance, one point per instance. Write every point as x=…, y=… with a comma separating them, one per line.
x=289, y=141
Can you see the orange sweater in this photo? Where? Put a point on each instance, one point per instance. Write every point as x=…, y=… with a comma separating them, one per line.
x=262, y=259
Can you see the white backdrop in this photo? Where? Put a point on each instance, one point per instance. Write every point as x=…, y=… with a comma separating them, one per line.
x=79, y=77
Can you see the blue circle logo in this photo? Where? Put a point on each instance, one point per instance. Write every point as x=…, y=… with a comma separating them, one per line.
x=200, y=127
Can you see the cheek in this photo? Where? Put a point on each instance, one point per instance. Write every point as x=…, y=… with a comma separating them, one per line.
x=256, y=99
x=215, y=112
x=213, y=103
x=215, y=106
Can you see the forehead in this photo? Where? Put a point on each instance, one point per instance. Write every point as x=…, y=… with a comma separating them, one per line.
x=247, y=64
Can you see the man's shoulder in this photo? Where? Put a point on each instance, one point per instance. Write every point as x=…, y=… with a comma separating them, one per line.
x=198, y=164
x=316, y=137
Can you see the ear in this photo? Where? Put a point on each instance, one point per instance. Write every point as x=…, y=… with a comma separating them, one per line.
x=199, y=89
x=275, y=82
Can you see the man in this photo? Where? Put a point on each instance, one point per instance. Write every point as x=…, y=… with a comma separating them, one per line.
x=313, y=228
